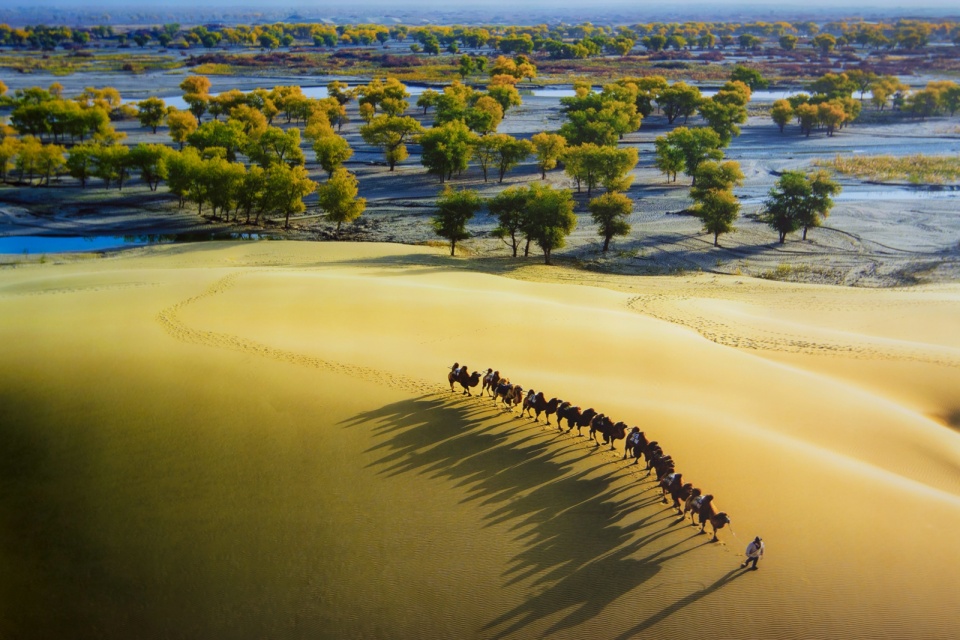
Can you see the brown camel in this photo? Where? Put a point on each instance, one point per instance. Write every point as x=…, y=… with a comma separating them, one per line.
x=490, y=382
x=511, y=394
x=539, y=404
x=611, y=432
x=464, y=379
x=636, y=444
x=688, y=505
x=707, y=512
x=669, y=483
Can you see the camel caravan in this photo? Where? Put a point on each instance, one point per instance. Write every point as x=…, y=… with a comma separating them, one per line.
x=684, y=496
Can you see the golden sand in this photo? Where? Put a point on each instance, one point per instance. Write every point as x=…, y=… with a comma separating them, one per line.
x=255, y=440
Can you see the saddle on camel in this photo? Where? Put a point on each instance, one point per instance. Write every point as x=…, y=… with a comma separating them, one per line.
x=635, y=445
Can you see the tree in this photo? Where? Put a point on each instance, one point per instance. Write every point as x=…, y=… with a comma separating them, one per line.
x=781, y=113
x=225, y=135
x=9, y=149
x=750, y=77
x=510, y=208
x=181, y=124
x=332, y=151
x=484, y=116
x=610, y=211
x=428, y=99
x=799, y=201
x=550, y=218
x=151, y=113
x=697, y=145
x=717, y=210
x=446, y=150
x=150, y=161
x=250, y=193
x=338, y=197
x=454, y=210
x=506, y=94
x=110, y=163
x=590, y=165
x=788, y=42
x=669, y=157
x=824, y=41
x=549, y=148
x=679, y=99
x=196, y=93
x=714, y=202
x=510, y=153
x=390, y=133
x=276, y=146
x=466, y=66
x=284, y=190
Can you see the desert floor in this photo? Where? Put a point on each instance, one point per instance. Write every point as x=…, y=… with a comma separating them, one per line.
x=256, y=440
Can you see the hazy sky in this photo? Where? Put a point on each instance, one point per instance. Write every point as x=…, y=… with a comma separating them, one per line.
x=640, y=6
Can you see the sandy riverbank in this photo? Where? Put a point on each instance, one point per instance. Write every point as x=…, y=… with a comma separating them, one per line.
x=254, y=440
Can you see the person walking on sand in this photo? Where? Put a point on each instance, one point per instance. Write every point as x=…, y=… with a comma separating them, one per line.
x=754, y=553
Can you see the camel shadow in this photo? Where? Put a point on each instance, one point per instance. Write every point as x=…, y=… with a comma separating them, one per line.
x=588, y=531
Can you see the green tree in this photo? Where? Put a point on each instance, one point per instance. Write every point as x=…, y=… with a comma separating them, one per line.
x=697, y=145
x=285, y=188
x=714, y=202
x=228, y=136
x=679, y=99
x=391, y=133
x=446, y=150
x=151, y=113
x=110, y=164
x=549, y=148
x=799, y=201
x=466, y=66
x=338, y=197
x=196, y=93
x=332, y=151
x=150, y=161
x=750, y=77
x=454, y=210
x=550, y=218
x=276, y=146
x=510, y=208
x=718, y=210
x=610, y=211
x=669, y=158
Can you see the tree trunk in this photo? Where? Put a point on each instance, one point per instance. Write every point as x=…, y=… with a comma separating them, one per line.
x=286, y=220
x=453, y=246
x=546, y=256
x=716, y=238
x=606, y=243
x=526, y=249
x=783, y=237
x=804, y=233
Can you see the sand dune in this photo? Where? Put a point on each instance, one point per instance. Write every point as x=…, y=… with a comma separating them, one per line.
x=255, y=440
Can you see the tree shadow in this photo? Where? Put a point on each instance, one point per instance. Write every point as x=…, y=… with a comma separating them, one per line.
x=584, y=523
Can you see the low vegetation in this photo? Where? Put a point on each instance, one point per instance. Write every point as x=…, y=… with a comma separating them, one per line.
x=915, y=169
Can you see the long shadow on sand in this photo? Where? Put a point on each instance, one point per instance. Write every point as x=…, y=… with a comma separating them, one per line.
x=575, y=512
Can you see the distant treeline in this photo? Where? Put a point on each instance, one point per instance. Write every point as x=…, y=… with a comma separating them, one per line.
x=559, y=41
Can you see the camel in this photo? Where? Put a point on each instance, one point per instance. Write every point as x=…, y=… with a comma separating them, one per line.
x=539, y=404
x=511, y=394
x=662, y=464
x=636, y=444
x=708, y=513
x=673, y=484
x=576, y=418
x=490, y=382
x=466, y=380
x=692, y=501
x=611, y=432
x=670, y=483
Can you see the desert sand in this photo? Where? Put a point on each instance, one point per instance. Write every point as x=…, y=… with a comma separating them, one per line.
x=255, y=440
